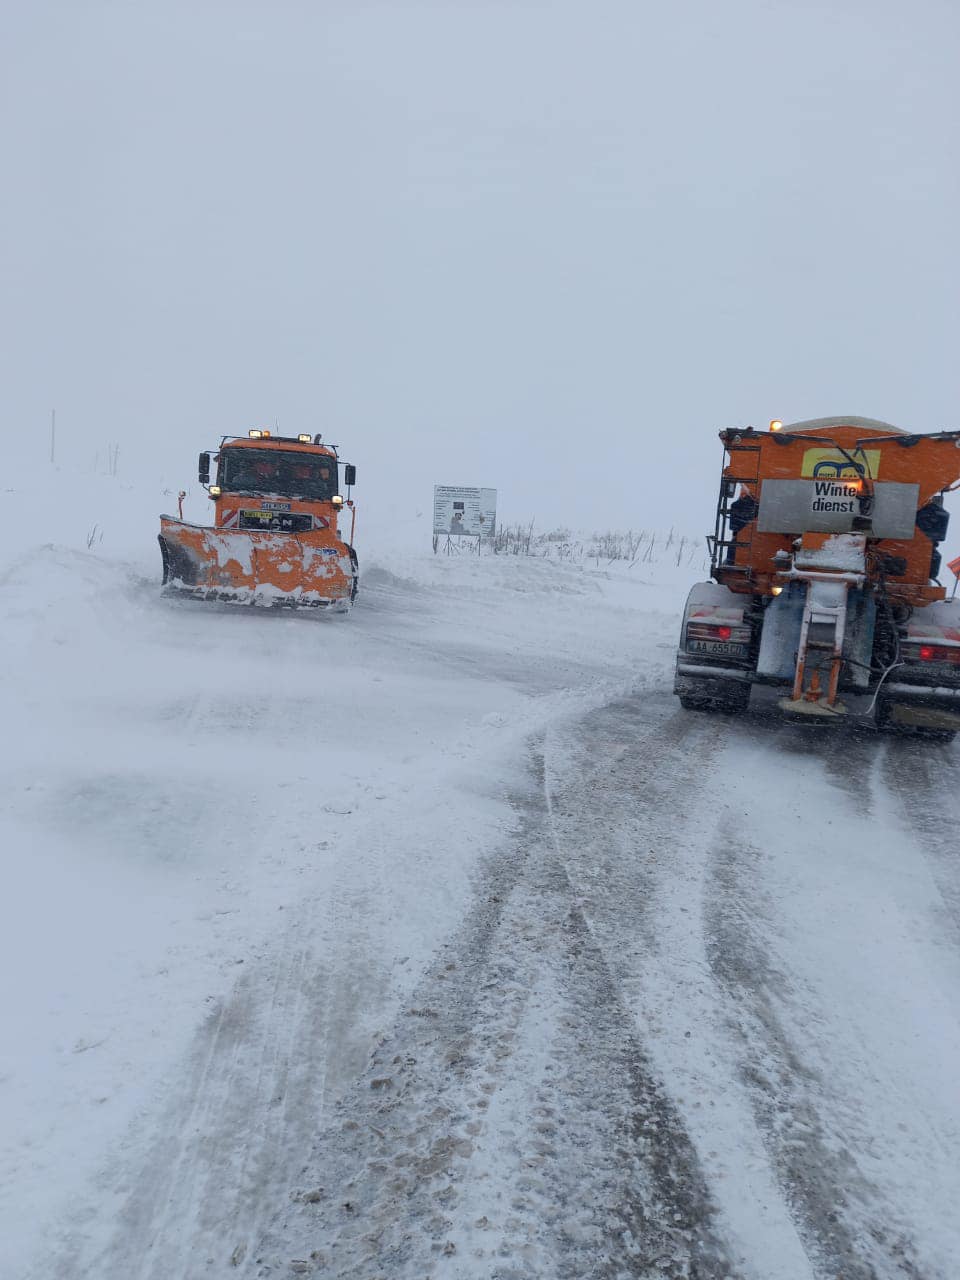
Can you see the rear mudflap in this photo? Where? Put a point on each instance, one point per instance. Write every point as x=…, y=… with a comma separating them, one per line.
x=706, y=685
x=920, y=715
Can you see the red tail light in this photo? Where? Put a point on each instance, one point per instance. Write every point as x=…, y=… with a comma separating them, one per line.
x=701, y=629
x=932, y=653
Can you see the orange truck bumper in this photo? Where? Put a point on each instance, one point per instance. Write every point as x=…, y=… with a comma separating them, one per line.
x=293, y=570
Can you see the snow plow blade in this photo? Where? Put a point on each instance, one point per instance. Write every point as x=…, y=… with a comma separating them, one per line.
x=271, y=570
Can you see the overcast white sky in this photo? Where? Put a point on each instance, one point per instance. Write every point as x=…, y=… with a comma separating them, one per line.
x=549, y=247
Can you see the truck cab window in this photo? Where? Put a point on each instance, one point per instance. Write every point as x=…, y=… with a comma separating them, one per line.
x=278, y=473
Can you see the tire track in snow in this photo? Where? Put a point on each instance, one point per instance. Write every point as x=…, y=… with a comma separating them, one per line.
x=689, y=880
x=510, y=1125
x=521, y=1119
x=198, y=1199
x=924, y=779
x=824, y=1128
x=820, y=1181
x=635, y=804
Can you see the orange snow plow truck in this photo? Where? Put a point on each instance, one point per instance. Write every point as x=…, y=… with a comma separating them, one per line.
x=825, y=562
x=276, y=539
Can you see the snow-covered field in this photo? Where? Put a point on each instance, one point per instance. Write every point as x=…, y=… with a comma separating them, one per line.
x=438, y=941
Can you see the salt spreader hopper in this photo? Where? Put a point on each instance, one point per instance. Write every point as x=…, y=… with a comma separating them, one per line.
x=825, y=567
x=276, y=539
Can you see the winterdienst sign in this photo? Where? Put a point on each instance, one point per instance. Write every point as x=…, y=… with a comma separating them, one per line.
x=464, y=512
x=831, y=506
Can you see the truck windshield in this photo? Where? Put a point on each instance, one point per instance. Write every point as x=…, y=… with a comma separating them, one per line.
x=273, y=471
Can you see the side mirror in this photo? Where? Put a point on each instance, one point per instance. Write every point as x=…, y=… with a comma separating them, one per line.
x=203, y=470
x=349, y=475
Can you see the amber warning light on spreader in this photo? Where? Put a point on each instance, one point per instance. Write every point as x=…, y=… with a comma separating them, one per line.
x=776, y=425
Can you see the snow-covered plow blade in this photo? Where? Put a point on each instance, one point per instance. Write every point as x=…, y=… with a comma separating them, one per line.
x=267, y=569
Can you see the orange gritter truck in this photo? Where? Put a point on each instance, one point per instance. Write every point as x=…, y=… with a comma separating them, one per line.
x=825, y=559
x=275, y=540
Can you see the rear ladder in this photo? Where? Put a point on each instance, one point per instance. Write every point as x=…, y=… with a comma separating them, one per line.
x=722, y=545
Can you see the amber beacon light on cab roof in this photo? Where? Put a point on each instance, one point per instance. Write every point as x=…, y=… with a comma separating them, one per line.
x=825, y=563
x=276, y=539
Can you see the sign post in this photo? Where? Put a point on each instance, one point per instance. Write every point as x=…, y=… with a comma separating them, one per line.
x=460, y=512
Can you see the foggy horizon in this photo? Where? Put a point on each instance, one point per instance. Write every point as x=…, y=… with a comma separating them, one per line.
x=546, y=248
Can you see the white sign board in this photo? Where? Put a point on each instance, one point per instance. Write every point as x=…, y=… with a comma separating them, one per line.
x=460, y=512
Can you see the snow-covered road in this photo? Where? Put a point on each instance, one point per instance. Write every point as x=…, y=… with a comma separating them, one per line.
x=701, y=1021
x=438, y=941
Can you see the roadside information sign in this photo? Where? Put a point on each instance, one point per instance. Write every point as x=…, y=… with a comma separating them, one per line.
x=464, y=513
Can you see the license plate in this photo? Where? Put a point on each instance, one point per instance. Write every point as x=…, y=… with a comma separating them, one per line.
x=725, y=647
x=277, y=521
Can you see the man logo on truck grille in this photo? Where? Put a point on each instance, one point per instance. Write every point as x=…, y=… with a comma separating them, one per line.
x=830, y=464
